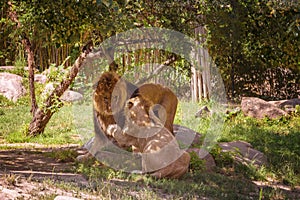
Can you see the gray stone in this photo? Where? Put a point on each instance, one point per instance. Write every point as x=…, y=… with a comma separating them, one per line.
x=68, y=95
x=186, y=136
x=287, y=105
x=244, y=153
x=71, y=96
x=288, y=102
x=258, y=108
x=40, y=78
x=203, y=112
x=49, y=87
x=11, y=86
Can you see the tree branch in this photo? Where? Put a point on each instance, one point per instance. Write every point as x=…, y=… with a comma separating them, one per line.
x=160, y=68
x=43, y=115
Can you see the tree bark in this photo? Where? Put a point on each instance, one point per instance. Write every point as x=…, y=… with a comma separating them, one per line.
x=43, y=115
x=30, y=58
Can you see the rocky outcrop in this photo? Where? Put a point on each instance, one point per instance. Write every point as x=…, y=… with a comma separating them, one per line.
x=258, y=108
x=11, y=86
x=287, y=105
x=203, y=112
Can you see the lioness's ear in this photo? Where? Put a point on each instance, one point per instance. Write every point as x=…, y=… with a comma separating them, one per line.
x=129, y=104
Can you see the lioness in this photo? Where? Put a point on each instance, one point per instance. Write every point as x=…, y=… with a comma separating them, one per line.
x=161, y=155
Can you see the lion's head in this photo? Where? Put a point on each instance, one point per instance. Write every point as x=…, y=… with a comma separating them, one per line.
x=110, y=94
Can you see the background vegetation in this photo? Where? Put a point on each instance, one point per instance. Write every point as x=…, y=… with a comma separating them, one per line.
x=255, y=44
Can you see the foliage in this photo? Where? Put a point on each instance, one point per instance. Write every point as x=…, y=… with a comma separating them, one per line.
x=196, y=164
x=246, y=38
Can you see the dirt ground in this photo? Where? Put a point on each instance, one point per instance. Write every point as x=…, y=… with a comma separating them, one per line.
x=27, y=170
x=24, y=172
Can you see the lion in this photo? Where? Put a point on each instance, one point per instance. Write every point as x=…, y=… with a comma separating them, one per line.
x=111, y=93
x=163, y=98
x=109, y=97
x=143, y=130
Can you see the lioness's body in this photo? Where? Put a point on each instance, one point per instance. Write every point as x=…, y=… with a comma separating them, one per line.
x=161, y=154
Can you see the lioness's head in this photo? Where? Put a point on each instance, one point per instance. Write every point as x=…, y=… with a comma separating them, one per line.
x=141, y=121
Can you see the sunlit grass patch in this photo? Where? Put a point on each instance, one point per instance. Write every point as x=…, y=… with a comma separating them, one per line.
x=59, y=130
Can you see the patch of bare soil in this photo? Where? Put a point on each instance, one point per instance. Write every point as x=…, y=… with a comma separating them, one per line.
x=25, y=170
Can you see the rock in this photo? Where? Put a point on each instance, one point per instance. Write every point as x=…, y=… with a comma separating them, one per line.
x=186, y=136
x=203, y=112
x=71, y=96
x=11, y=86
x=10, y=68
x=40, y=78
x=9, y=194
x=7, y=68
x=286, y=105
x=244, y=153
x=49, y=87
x=65, y=198
x=68, y=95
x=206, y=156
x=282, y=103
x=258, y=108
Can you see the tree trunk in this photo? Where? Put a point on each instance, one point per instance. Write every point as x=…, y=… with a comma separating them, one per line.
x=30, y=58
x=31, y=67
x=43, y=115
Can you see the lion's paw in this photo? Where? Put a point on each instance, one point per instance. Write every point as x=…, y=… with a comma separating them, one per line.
x=113, y=129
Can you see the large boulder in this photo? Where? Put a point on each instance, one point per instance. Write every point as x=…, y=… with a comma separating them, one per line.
x=244, y=153
x=11, y=86
x=258, y=108
x=186, y=136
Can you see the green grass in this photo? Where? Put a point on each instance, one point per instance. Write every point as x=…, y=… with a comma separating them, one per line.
x=278, y=139
x=15, y=120
x=194, y=185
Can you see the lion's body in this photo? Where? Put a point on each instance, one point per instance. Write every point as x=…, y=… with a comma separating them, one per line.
x=157, y=94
